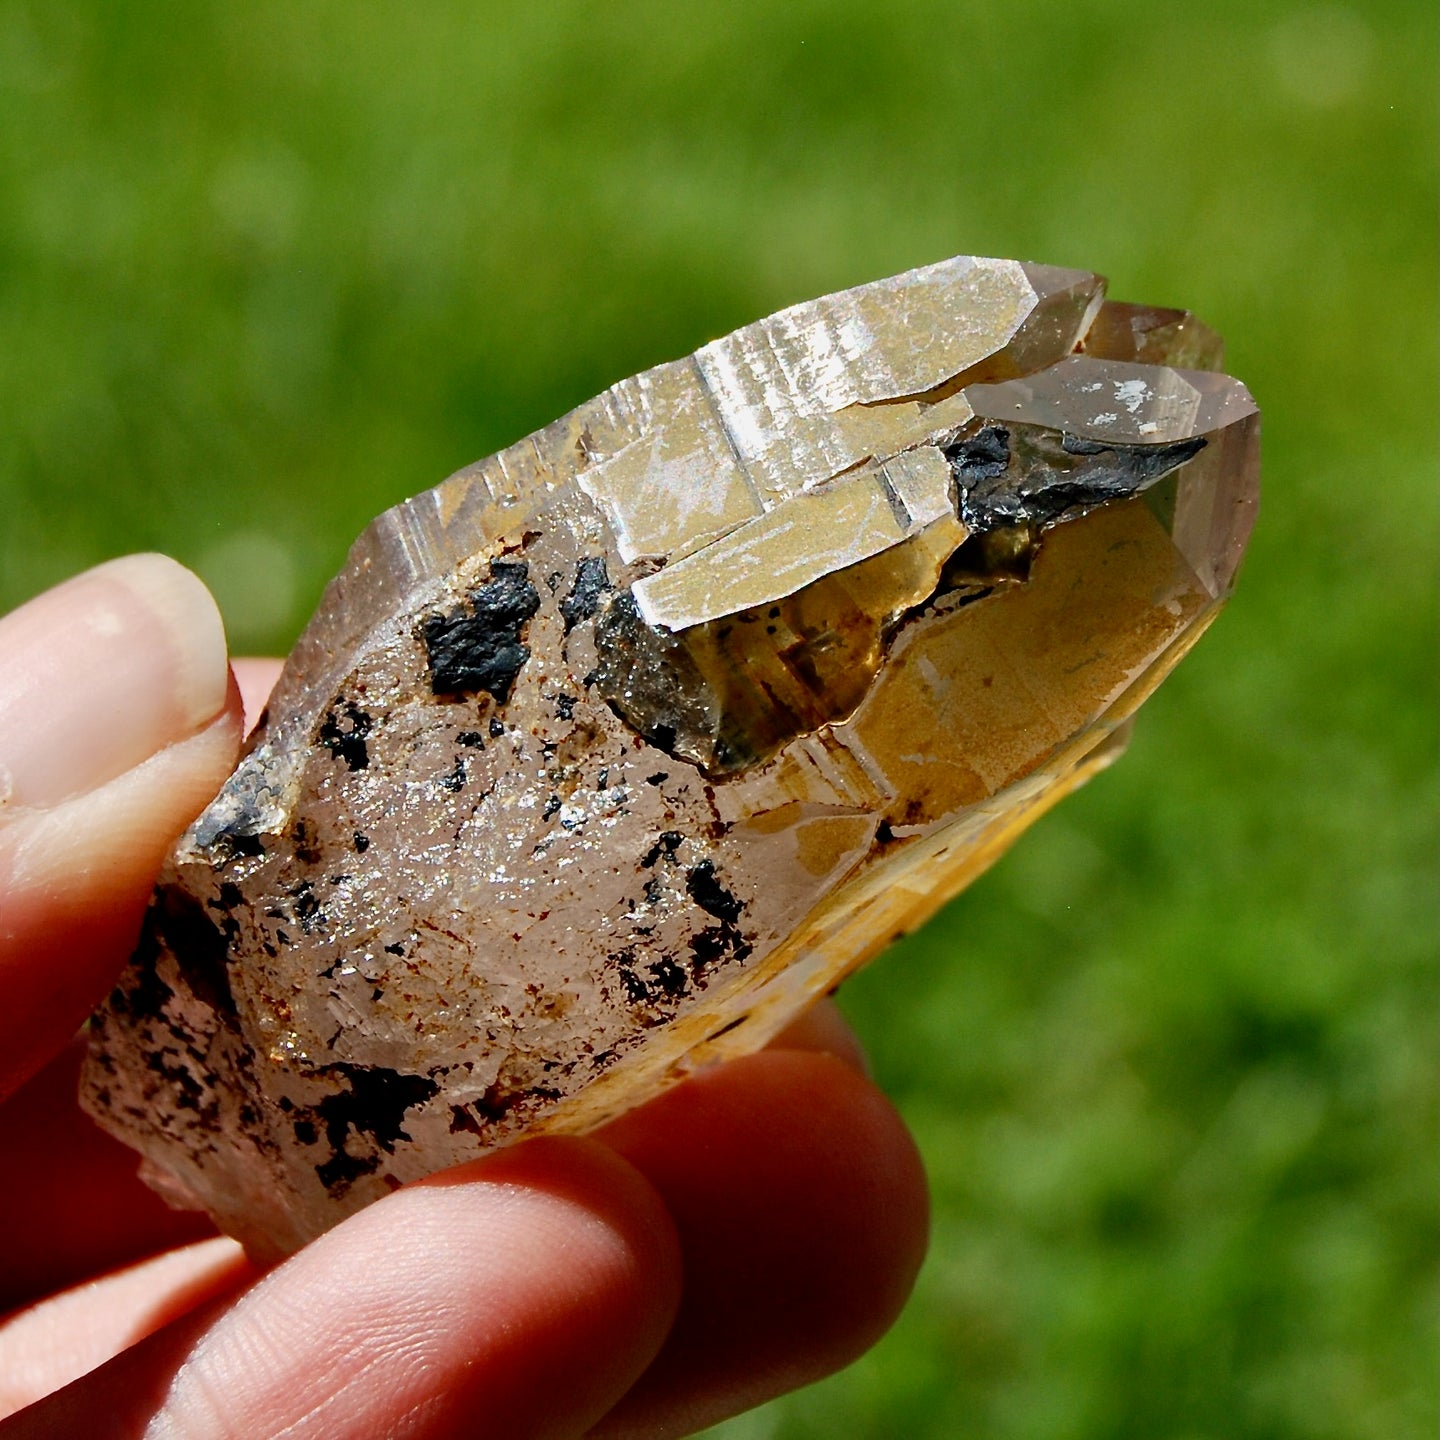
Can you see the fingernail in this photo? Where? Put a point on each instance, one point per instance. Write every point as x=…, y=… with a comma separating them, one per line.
x=102, y=672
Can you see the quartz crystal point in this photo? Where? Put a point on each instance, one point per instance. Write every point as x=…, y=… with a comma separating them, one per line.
x=604, y=758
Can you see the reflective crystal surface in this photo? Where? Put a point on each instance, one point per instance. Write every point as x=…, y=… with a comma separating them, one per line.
x=605, y=757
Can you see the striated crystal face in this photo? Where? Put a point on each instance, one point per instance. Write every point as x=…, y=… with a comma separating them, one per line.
x=608, y=755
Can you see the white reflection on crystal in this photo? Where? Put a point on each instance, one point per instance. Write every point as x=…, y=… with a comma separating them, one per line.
x=1131, y=394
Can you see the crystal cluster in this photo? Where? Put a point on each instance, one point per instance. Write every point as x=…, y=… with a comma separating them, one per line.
x=602, y=759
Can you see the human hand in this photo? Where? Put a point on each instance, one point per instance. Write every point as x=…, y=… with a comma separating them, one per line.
x=745, y=1233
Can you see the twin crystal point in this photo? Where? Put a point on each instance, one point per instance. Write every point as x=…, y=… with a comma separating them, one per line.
x=607, y=756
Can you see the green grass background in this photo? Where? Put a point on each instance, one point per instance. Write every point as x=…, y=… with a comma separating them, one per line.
x=267, y=268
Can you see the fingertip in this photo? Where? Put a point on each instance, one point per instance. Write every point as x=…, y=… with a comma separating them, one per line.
x=530, y=1287
x=520, y=1295
x=800, y=1201
x=101, y=673
x=559, y=1182
x=184, y=617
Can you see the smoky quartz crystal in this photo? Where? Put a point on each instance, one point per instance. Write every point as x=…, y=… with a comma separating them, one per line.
x=608, y=755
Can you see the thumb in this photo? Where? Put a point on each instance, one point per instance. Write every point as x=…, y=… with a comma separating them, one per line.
x=118, y=721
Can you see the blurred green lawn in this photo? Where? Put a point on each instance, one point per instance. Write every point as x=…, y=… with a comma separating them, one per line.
x=267, y=268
